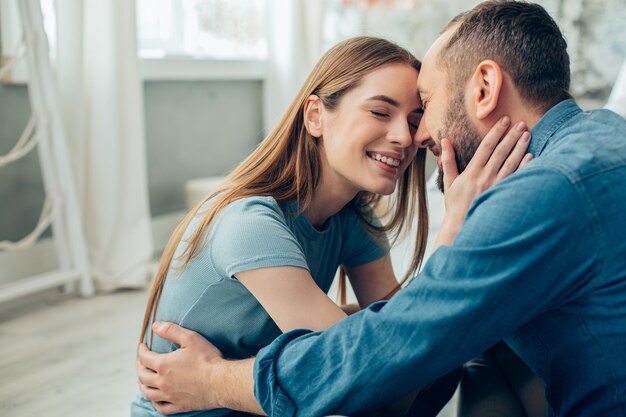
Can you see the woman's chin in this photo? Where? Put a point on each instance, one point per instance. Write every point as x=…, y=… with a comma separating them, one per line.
x=382, y=189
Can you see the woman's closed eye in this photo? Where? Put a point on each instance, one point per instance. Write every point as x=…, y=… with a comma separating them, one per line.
x=379, y=113
x=414, y=119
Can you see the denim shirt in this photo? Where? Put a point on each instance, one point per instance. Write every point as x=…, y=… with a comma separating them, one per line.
x=540, y=262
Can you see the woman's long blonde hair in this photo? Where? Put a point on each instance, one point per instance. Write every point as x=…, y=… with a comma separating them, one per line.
x=286, y=164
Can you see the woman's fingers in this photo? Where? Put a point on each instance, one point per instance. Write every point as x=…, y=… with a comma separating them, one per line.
x=507, y=146
x=489, y=143
x=527, y=158
x=499, y=154
x=448, y=164
x=515, y=157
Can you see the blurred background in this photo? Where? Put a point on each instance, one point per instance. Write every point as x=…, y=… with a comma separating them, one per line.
x=156, y=100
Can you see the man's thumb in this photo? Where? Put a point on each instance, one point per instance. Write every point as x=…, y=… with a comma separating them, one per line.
x=172, y=332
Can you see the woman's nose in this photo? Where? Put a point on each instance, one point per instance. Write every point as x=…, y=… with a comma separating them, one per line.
x=402, y=135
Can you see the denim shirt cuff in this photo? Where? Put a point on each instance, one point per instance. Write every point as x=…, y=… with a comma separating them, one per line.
x=267, y=389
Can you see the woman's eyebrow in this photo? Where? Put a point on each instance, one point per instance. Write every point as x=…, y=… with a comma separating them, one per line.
x=386, y=99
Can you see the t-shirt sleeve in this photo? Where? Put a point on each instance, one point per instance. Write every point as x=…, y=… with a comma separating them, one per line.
x=361, y=246
x=251, y=233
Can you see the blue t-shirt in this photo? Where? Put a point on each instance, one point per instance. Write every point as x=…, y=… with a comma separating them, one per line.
x=252, y=233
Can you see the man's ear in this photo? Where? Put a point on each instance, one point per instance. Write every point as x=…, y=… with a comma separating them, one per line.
x=313, y=115
x=486, y=86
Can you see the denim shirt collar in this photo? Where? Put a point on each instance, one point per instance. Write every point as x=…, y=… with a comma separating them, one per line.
x=551, y=121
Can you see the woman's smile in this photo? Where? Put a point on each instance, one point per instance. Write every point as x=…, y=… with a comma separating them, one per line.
x=388, y=160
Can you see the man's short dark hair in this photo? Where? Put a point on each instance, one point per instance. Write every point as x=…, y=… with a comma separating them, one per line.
x=522, y=38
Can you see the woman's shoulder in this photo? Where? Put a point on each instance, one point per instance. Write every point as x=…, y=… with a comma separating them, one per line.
x=252, y=207
x=252, y=232
x=256, y=213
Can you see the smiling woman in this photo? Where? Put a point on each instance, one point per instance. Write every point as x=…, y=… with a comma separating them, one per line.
x=368, y=139
x=258, y=255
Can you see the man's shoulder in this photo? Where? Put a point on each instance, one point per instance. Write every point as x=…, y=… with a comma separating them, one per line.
x=590, y=143
x=539, y=180
x=538, y=202
x=539, y=193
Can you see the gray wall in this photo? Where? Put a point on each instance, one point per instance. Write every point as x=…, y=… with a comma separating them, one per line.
x=193, y=129
x=197, y=129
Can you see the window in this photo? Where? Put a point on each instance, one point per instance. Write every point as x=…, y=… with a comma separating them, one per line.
x=202, y=38
x=216, y=29
x=177, y=39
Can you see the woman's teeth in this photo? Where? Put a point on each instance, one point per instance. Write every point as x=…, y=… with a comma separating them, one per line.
x=386, y=159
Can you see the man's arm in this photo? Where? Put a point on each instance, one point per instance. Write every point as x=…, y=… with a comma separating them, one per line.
x=186, y=377
x=510, y=262
x=187, y=384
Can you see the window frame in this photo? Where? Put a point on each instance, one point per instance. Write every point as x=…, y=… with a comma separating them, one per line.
x=187, y=69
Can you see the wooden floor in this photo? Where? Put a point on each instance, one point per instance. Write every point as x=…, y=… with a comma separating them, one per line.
x=64, y=356
x=69, y=357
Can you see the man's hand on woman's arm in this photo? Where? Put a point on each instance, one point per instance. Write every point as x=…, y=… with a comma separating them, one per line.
x=194, y=377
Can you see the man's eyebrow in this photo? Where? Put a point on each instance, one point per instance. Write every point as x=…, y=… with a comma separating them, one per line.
x=386, y=99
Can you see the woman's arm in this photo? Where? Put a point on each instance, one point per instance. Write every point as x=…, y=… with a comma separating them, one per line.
x=373, y=281
x=291, y=298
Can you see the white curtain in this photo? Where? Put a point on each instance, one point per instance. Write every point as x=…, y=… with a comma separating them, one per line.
x=102, y=102
x=295, y=45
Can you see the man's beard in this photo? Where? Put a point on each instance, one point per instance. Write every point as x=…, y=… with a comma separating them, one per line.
x=462, y=134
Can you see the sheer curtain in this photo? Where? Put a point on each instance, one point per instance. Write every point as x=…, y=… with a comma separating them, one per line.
x=102, y=103
x=294, y=46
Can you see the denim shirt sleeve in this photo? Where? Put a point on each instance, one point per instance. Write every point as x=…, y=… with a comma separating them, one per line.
x=510, y=262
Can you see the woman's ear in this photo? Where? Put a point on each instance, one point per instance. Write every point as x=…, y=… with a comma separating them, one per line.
x=313, y=115
x=486, y=86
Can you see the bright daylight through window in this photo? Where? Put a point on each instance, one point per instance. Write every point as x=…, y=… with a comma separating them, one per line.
x=208, y=29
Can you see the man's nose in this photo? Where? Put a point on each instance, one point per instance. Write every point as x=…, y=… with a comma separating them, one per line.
x=422, y=137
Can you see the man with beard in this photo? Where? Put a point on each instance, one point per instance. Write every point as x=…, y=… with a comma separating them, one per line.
x=540, y=260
